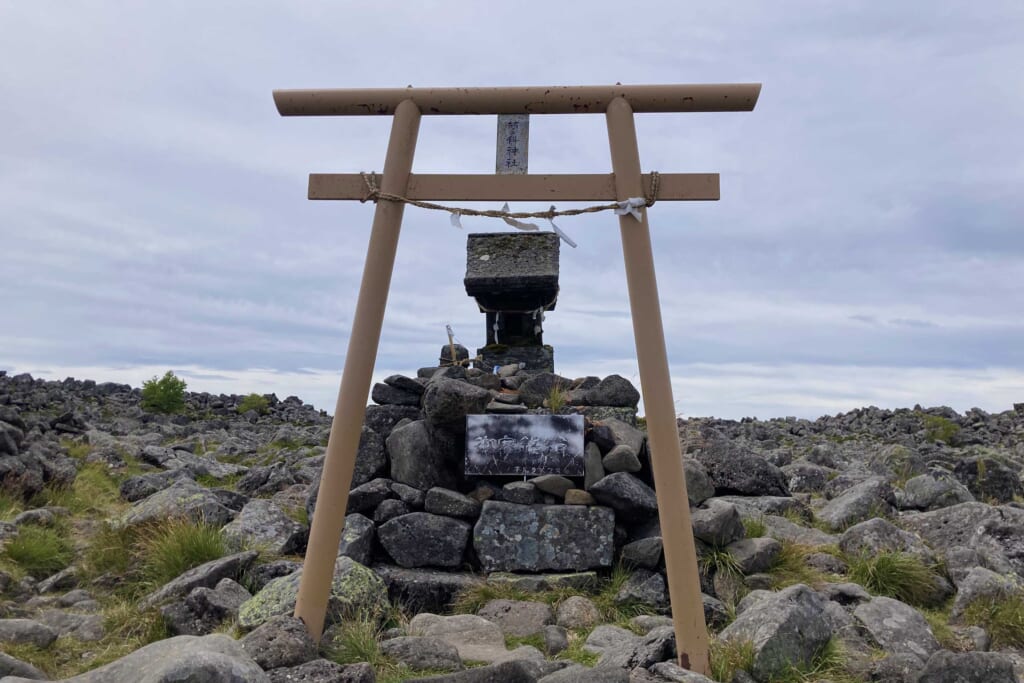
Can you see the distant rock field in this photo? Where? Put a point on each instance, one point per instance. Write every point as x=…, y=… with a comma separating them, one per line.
x=142, y=547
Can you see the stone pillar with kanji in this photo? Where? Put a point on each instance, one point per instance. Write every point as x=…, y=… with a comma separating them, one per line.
x=514, y=279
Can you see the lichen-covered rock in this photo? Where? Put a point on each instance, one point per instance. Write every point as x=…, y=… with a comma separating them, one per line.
x=446, y=402
x=183, y=498
x=357, y=538
x=27, y=632
x=982, y=584
x=441, y=501
x=421, y=652
x=968, y=667
x=870, y=498
x=934, y=489
x=355, y=589
x=204, y=609
x=879, y=535
x=518, y=617
x=510, y=537
x=421, y=539
x=324, y=671
x=414, y=460
x=897, y=627
x=473, y=637
x=698, y=484
x=754, y=555
x=646, y=588
x=577, y=612
x=175, y=660
x=206, y=575
x=628, y=496
x=615, y=391
x=263, y=524
x=988, y=479
x=786, y=628
x=717, y=523
x=281, y=641
x=735, y=470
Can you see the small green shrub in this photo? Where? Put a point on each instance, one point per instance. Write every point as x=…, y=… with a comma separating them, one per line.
x=40, y=551
x=894, y=574
x=164, y=395
x=172, y=547
x=938, y=428
x=1003, y=618
x=254, y=402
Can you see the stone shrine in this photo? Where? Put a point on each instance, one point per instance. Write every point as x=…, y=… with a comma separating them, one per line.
x=514, y=279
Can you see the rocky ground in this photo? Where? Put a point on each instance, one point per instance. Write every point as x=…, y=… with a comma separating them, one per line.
x=874, y=545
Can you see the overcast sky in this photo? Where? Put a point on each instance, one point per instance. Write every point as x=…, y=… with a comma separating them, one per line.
x=868, y=247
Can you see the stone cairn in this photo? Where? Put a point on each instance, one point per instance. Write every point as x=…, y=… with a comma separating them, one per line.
x=413, y=507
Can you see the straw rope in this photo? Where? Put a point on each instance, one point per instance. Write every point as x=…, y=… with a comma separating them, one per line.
x=375, y=194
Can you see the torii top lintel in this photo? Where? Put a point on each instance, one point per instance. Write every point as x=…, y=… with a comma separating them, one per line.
x=578, y=99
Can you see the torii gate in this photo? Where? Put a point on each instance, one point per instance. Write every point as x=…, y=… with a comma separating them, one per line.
x=618, y=103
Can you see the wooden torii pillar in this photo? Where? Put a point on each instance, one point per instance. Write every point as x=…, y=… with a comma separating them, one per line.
x=618, y=103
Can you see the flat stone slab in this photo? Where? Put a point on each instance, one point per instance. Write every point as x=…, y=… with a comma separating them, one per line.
x=524, y=444
x=510, y=537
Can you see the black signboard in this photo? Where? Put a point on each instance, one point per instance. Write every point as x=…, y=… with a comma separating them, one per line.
x=524, y=444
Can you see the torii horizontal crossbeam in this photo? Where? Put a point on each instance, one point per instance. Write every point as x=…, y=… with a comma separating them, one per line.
x=575, y=99
x=519, y=188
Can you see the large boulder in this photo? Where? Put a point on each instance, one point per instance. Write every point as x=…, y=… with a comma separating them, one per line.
x=717, y=523
x=510, y=537
x=735, y=470
x=206, y=575
x=354, y=590
x=263, y=524
x=204, y=609
x=872, y=497
x=357, y=538
x=613, y=390
x=473, y=637
x=995, y=533
x=183, y=498
x=425, y=590
x=537, y=388
x=628, y=496
x=422, y=539
x=968, y=667
x=214, y=658
x=414, y=459
x=879, y=535
x=897, y=627
x=447, y=402
x=934, y=489
x=988, y=479
x=518, y=617
x=786, y=628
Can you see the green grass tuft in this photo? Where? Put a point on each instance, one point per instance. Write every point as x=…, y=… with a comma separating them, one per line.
x=1003, y=618
x=11, y=505
x=728, y=657
x=790, y=566
x=172, y=547
x=755, y=527
x=357, y=640
x=575, y=651
x=894, y=574
x=40, y=551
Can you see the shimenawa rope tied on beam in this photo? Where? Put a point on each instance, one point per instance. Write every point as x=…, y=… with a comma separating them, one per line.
x=629, y=206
